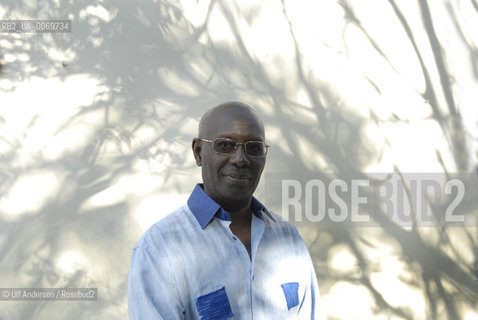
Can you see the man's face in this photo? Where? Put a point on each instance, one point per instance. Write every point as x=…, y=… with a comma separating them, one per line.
x=230, y=178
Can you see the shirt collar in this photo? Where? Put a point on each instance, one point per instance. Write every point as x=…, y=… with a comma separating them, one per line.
x=205, y=208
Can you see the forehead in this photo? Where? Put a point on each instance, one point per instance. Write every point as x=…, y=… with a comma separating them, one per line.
x=234, y=123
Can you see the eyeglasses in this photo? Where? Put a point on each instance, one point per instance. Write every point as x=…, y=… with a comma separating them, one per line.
x=226, y=147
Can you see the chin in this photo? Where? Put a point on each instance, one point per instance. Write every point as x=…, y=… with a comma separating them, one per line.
x=237, y=191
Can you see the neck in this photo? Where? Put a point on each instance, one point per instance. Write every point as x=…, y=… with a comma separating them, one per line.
x=240, y=211
x=235, y=206
x=241, y=217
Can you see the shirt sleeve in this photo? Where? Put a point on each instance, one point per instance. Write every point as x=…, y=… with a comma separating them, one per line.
x=317, y=310
x=311, y=307
x=152, y=289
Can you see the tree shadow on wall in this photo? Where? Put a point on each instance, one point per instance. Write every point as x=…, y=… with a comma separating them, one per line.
x=159, y=69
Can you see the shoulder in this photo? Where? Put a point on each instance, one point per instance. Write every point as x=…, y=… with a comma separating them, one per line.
x=275, y=218
x=174, y=225
x=275, y=222
x=272, y=219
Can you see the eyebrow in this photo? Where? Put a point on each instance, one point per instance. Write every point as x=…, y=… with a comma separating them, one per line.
x=234, y=137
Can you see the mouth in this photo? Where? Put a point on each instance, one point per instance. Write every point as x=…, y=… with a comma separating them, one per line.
x=237, y=178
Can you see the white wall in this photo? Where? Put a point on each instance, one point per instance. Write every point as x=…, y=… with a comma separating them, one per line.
x=96, y=126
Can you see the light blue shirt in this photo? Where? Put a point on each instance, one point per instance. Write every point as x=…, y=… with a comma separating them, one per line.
x=189, y=265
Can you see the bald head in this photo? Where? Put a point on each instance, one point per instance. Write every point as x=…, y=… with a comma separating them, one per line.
x=226, y=114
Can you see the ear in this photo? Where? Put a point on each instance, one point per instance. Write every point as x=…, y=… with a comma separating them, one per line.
x=196, y=145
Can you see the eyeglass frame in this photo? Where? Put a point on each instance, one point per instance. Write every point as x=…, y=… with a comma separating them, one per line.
x=265, y=145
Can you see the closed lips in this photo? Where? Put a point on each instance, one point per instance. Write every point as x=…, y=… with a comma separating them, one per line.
x=238, y=176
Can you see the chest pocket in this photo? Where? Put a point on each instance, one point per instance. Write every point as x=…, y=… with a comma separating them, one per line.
x=214, y=306
x=291, y=293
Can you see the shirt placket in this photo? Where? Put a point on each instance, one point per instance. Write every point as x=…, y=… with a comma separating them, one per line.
x=257, y=230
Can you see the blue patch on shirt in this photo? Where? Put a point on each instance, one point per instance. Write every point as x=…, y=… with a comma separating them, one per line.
x=291, y=292
x=214, y=306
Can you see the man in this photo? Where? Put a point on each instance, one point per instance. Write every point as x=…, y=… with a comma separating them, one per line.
x=223, y=255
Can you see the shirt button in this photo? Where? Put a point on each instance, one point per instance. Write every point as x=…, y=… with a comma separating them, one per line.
x=235, y=239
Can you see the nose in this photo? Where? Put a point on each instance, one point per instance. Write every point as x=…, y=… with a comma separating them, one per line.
x=239, y=157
